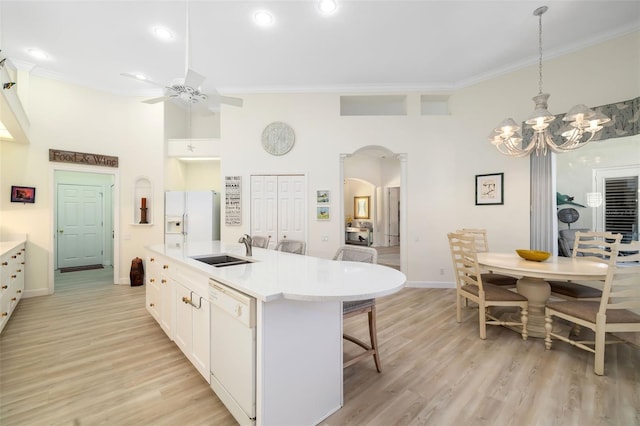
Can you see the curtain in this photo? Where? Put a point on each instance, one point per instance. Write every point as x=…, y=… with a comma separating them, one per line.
x=544, y=226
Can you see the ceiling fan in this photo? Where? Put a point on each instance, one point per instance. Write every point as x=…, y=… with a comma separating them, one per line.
x=186, y=91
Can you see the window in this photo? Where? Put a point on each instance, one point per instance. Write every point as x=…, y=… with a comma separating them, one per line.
x=621, y=207
x=619, y=211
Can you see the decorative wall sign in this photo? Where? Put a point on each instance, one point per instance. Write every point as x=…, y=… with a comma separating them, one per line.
x=233, y=199
x=489, y=189
x=82, y=158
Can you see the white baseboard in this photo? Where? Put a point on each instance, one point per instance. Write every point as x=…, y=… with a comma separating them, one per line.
x=36, y=293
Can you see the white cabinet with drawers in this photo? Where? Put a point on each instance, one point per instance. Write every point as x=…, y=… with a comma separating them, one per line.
x=12, y=265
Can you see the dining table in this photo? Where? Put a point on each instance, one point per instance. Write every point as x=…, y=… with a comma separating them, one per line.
x=533, y=277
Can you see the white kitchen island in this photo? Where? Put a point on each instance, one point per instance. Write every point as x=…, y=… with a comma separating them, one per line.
x=298, y=367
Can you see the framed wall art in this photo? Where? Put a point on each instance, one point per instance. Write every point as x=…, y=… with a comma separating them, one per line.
x=323, y=213
x=322, y=197
x=23, y=194
x=361, y=207
x=490, y=189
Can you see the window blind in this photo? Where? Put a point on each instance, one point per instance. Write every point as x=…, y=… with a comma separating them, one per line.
x=621, y=206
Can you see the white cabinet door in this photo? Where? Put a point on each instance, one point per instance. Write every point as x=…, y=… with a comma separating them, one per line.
x=182, y=335
x=201, y=335
x=278, y=207
x=165, y=311
x=192, y=326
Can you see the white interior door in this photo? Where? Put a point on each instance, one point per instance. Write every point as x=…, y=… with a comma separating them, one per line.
x=80, y=225
x=277, y=207
x=291, y=202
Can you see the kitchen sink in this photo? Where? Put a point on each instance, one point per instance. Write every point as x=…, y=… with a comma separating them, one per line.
x=221, y=260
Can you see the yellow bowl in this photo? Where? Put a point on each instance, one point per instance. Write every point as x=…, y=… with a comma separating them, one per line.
x=535, y=255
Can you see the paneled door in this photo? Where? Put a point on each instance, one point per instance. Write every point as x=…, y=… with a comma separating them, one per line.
x=277, y=207
x=80, y=225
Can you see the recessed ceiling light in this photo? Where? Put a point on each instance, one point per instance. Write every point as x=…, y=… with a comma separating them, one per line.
x=37, y=53
x=263, y=18
x=162, y=33
x=327, y=6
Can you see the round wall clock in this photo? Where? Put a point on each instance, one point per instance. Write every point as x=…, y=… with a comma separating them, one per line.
x=278, y=138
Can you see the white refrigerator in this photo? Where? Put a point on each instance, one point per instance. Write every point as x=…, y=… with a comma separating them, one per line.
x=191, y=216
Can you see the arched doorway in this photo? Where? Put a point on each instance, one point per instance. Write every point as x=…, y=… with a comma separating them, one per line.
x=379, y=174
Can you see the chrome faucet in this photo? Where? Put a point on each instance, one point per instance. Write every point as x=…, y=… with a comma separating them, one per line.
x=246, y=239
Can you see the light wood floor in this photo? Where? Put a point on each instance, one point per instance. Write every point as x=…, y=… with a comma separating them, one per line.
x=91, y=355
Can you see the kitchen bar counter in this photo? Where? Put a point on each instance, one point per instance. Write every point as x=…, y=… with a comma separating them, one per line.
x=297, y=355
x=273, y=274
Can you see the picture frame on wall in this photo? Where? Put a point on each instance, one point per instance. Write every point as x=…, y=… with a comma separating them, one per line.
x=23, y=194
x=323, y=196
x=323, y=213
x=361, y=207
x=490, y=189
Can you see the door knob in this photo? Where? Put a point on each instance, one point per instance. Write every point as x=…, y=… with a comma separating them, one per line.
x=61, y=231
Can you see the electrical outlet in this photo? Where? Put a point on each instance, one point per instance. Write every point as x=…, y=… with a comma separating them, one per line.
x=441, y=271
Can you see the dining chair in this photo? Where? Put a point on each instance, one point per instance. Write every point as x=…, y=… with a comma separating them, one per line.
x=618, y=310
x=357, y=307
x=262, y=242
x=292, y=246
x=482, y=245
x=470, y=286
x=595, y=246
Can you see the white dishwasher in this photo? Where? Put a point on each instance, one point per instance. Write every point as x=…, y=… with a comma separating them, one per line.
x=233, y=350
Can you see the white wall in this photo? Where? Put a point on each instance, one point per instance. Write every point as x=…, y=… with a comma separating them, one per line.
x=444, y=153
x=73, y=118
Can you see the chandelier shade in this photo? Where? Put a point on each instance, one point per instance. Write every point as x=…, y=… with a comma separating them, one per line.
x=581, y=123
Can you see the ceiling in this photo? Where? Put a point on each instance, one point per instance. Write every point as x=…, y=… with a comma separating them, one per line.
x=365, y=46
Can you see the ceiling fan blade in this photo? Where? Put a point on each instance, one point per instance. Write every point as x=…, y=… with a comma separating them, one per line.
x=193, y=79
x=215, y=99
x=138, y=79
x=156, y=100
x=228, y=100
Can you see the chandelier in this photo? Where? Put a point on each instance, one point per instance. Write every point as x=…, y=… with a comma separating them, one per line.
x=581, y=123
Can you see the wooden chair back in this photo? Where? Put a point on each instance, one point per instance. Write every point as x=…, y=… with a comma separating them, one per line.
x=597, y=246
x=465, y=261
x=480, y=238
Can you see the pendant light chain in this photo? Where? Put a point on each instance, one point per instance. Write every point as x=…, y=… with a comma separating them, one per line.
x=540, y=53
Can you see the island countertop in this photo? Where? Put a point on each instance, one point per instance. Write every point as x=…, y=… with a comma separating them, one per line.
x=272, y=274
